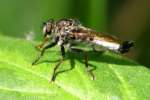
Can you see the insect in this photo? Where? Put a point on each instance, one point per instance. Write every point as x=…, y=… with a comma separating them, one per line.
x=68, y=32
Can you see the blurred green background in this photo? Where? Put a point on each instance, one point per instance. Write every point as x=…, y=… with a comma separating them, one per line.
x=128, y=19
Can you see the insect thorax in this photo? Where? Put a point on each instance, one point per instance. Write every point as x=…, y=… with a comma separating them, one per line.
x=63, y=29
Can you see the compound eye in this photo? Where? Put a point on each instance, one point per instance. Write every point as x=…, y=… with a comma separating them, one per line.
x=47, y=25
x=47, y=28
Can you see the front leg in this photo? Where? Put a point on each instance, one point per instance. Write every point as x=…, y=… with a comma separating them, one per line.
x=46, y=47
x=40, y=46
x=58, y=64
x=42, y=52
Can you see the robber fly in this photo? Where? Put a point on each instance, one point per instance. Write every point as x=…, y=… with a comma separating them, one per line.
x=71, y=31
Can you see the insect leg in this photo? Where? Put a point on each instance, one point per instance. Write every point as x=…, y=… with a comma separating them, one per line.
x=62, y=51
x=42, y=52
x=86, y=61
x=40, y=46
x=58, y=64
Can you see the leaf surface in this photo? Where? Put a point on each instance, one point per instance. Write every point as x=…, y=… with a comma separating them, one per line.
x=117, y=78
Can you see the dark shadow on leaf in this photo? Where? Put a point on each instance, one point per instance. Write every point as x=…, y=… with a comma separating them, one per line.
x=92, y=56
x=46, y=61
x=103, y=57
x=72, y=63
x=95, y=56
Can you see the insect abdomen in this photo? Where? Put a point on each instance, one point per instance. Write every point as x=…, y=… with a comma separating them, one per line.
x=106, y=41
x=106, y=44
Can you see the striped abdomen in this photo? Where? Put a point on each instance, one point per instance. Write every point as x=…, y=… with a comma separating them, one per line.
x=97, y=38
x=101, y=39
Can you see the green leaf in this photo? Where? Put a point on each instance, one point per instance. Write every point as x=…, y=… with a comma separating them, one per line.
x=117, y=78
